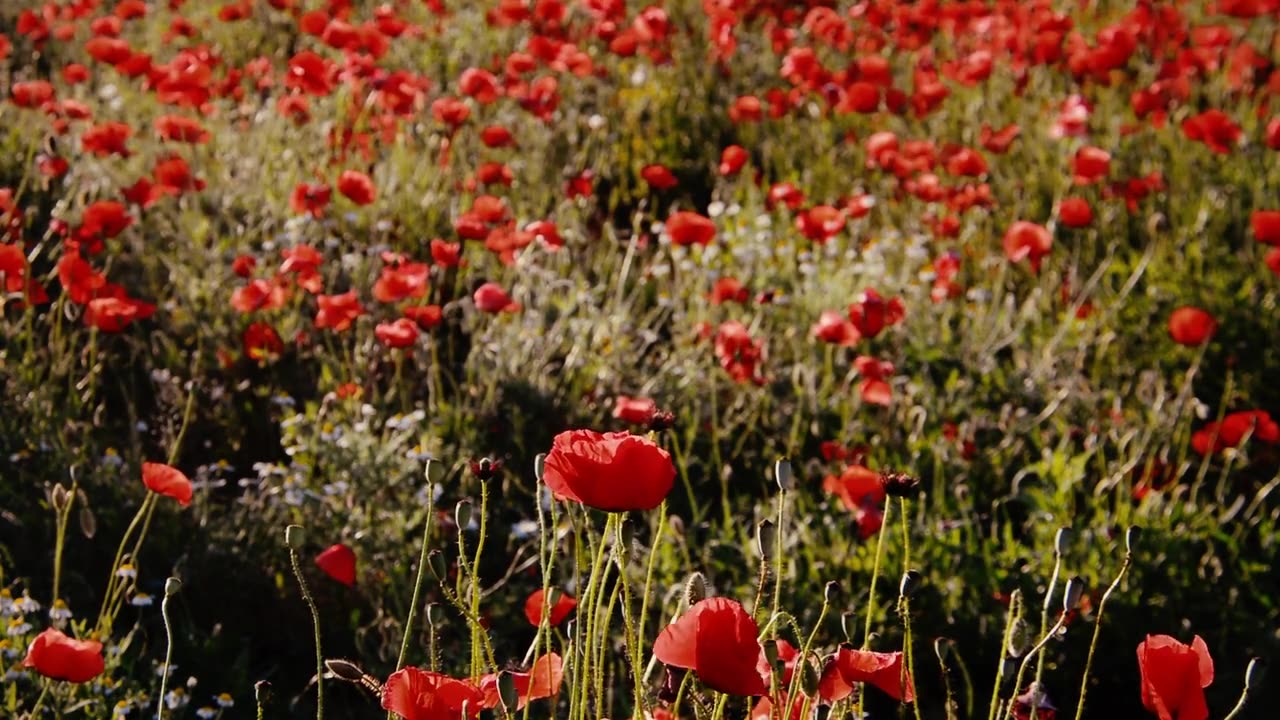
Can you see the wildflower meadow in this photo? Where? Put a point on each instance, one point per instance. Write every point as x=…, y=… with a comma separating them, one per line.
x=639, y=359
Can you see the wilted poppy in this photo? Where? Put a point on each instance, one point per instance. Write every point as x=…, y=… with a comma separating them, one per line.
x=1191, y=326
x=849, y=667
x=614, y=471
x=56, y=656
x=716, y=639
x=1174, y=677
x=338, y=562
x=168, y=481
x=416, y=694
x=563, y=604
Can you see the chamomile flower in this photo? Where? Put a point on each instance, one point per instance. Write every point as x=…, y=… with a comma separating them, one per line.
x=127, y=571
x=206, y=713
x=18, y=626
x=111, y=458
x=141, y=599
x=26, y=604
x=122, y=709
x=176, y=699
x=59, y=614
x=223, y=700
x=6, y=603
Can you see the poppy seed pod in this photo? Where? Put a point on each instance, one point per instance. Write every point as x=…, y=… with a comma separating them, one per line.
x=911, y=581
x=770, y=648
x=1061, y=541
x=434, y=471
x=662, y=420
x=435, y=614
x=1131, y=538
x=294, y=537
x=1254, y=673
x=808, y=678
x=1019, y=638
x=539, y=462
x=462, y=514
x=507, y=691
x=435, y=559
x=695, y=589
x=783, y=474
x=831, y=592
x=766, y=537
x=344, y=669
x=899, y=484
x=1071, y=597
x=172, y=586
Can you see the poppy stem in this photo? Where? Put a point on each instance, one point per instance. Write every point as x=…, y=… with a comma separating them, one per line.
x=1044, y=620
x=422, y=574
x=170, y=589
x=1097, y=630
x=44, y=692
x=871, y=598
x=777, y=552
x=1022, y=667
x=103, y=624
x=1015, y=607
x=908, y=648
x=315, y=620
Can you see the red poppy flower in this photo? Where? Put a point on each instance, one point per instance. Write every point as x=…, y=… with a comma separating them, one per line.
x=1266, y=226
x=614, y=471
x=496, y=136
x=310, y=198
x=338, y=562
x=446, y=254
x=400, y=281
x=820, y=223
x=357, y=187
x=491, y=298
x=848, y=667
x=115, y=313
x=1273, y=133
x=181, y=129
x=739, y=354
x=732, y=159
x=834, y=328
x=168, y=481
x=56, y=656
x=636, y=411
x=727, y=289
x=1090, y=165
x=109, y=138
x=543, y=680
x=1174, y=677
x=716, y=639
x=874, y=390
x=427, y=316
x=998, y=141
x=872, y=314
x=103, y=219
x=1074, y=212
x=1213, y=128
x=1272, y=261
x=416, y=694
x=261, y=342
x=400, y=333
x=856, y=486
x=310, y=73
x=659, y=177
x=1218, y=436
x=560, y=609
x=337, y=312
x=32, y=93
x=690, y=228
x=1191, y=326
x=1027, y=241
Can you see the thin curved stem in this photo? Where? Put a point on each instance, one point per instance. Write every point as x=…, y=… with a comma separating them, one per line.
x=315, y=620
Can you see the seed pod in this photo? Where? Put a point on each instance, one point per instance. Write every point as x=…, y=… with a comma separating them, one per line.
x=766, y=539
x=294, y=537
x=808, y=678
x=88, y=522
x=462, y=514
x=831, y=592
x=911, y=581
x=1061, y=541
x=435, y=614
x=899, y=484
x=507, y=692
x=783, y=474
x=1019, y=638
x=172, y=586
x=58, y=497
x=1075, y=591
x=539, y=463
x=435, y=559
x=1131, y=538
x=344, y=669
x=770, y=648
x=262, y=691
x=434, y=472
x=695, y=589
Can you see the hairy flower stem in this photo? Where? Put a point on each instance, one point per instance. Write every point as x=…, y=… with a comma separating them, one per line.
x=1015, y=608
x=591, y=601
x=908, y=649
x=315, y=621
x=1022, y=667
x=1044, y=622
x=417, y=583
x=1097, y=630
x=777, y=552
x=104, y=624
x=168, y=651
x=871, y=599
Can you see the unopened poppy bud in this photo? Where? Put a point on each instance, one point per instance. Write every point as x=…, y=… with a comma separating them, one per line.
x=1254, y=673
x=770, y=647
x=808, y=678
x=462, y=514
x=848, y=625
x=1019, y=638
x=662, y=420
x=695, y=589
x=261, y=691
x=434, y=471
x=831, y=592
x=435, y=614
x=172, y=586
x=899, y=484
x=942, y=648
x=676, y=523
x=911, y=581
x=1061, y=541
x=88, y=522
x=435, y=559
x=1008, y=666
x=539, y=462
x=766, y=537
x=507, y=692
x=1074, y=591
x=783, y=474
x=1131, y=538
x=294, y=537
x=671, y=682
x=58, y=497
x=344, y=670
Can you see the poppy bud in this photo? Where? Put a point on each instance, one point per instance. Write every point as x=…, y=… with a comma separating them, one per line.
x=434, y=472
x=1254, y=673
x=782, y=473
x=1131, y=538
x=1074, y=591
x=1008, y=667
x=538, y=463
x=662, y=420
x=676, y=523
x=1019, y=638
x=770, y=648
x=294, y=537
x=942, y=648
x=88, y=522
x=261, y=691
x=911, y=581
x=1061, y=541
x=831, y=592
x=507, y=692
x=436, y=559
x=897, y=484
x=435, y=614
x=344, y=670
x=848, y=625
x=766, y=537
x=172, y=586
x=695, y=589
x=58, y=497
x=808, y=678
x=671, y=681
x=462, y=514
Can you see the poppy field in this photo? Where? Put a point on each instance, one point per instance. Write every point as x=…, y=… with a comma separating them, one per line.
x=650, y=359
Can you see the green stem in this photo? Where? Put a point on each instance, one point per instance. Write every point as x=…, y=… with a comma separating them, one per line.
x=1015, y=603
x=1044, y=622
x=871, y=600
x=777, y=553
x=315, y=620
x=168, y=654
x=907, y=647
x=115, y=564
x=417, y=584
x=1097, y=630
x=1022, y=667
